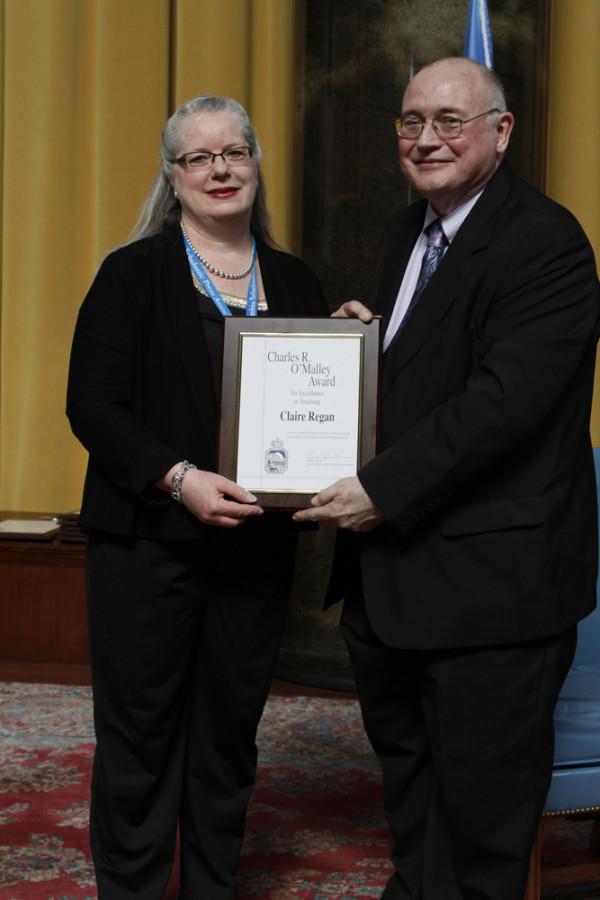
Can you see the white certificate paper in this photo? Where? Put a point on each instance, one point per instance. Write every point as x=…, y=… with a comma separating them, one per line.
x=299, y=410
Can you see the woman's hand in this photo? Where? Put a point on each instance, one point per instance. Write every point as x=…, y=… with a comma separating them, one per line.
x=216, y=500
x=213, y=499
x=353, y=309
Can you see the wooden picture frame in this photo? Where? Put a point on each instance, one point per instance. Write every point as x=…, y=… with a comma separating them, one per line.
x=299, y=404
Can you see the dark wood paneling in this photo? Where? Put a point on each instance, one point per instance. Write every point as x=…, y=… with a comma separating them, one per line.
x=42, y=609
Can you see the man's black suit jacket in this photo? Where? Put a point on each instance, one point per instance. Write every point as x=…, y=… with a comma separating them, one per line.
x=486, y=476
x=141, y=389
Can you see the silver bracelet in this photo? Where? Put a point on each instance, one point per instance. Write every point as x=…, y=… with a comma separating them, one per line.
x=177, y=479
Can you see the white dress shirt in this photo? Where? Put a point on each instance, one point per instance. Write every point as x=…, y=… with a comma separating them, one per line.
x=450, y=223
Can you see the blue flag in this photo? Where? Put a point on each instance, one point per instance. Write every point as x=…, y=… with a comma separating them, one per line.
x=478, y=36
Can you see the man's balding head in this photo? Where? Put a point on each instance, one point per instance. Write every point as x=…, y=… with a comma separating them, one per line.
x=448, y=171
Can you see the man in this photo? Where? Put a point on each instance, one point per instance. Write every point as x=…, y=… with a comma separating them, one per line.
x=475, y=526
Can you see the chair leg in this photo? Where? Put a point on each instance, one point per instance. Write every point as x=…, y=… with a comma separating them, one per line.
x=533, y=888
x=595, y=838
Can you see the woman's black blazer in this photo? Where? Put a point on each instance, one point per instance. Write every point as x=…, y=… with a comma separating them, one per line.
x=141, y=392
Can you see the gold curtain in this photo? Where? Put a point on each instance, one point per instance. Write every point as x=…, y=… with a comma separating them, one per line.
x=245, y=49
x=573, y=176
x=87, y=87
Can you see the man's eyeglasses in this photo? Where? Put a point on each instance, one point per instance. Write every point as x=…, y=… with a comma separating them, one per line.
x=203, y=159
x=446, y=126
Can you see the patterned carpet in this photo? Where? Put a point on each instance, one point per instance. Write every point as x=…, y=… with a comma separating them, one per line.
x=315, y=828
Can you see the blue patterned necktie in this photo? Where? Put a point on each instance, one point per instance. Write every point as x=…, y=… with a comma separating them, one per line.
x=436, y=247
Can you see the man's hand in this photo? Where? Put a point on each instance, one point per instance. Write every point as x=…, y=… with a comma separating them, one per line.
x=353, y=309
x=345, y=504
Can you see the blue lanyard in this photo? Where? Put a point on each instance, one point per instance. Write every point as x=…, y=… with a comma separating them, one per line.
x=210, y=289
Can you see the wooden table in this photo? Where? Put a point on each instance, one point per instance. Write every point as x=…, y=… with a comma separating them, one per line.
x=43, y=629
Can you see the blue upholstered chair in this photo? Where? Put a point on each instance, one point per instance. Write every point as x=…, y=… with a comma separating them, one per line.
x=575, y=786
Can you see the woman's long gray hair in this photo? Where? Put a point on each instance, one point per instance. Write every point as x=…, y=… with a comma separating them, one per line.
x=161, y=209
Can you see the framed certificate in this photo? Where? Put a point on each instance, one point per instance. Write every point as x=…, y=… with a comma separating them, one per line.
x=299, y=404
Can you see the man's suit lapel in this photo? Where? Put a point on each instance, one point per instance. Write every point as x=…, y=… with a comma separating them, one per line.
x=392, y=265
x=439, y=295
x=181, y=294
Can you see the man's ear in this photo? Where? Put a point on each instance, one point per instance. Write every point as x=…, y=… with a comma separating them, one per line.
x=504, y=126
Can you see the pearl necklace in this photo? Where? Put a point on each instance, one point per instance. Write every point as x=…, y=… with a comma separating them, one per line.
x=232, y=276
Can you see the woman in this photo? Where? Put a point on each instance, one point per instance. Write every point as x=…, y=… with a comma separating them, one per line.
x=185, y=609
